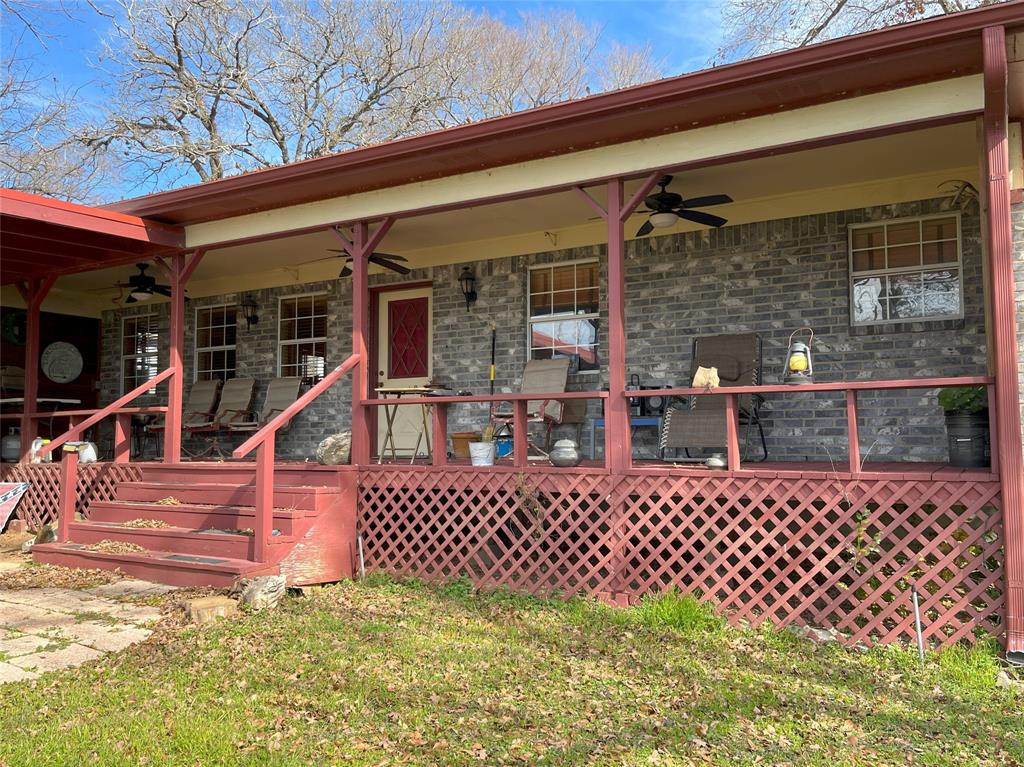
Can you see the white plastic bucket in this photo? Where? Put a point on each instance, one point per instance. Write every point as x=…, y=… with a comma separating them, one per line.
x=481, y=453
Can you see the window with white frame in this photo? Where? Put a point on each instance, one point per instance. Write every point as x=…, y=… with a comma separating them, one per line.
x=302, y=337
x=140, y=349
x=906, y=270
x=216, y=334
x=563, y=313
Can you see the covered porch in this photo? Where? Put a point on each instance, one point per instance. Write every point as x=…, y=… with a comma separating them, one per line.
x=856, y=501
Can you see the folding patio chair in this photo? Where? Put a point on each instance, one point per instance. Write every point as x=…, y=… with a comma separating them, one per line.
x=198, y=410
x=541, y=377
x=235, y=406
x=700, y=422
x=281, y=392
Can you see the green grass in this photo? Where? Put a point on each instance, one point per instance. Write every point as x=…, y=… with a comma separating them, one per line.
x=387, y=673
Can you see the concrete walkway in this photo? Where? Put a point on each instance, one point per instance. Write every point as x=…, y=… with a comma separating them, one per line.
x=49, y=629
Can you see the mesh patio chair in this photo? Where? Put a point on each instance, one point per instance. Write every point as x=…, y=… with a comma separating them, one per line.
x=281, y=392
x=235, y=406
x=700, y=422
x=541, y=377
x=199, y=409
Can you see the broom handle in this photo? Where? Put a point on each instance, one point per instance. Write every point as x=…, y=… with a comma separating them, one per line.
x=494, y=334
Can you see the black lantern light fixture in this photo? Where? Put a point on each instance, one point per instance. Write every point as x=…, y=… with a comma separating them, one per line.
x=468, y=284
x=799, y=368
x=249, y=311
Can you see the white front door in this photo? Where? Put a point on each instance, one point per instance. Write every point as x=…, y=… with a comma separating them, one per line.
x=404, y=358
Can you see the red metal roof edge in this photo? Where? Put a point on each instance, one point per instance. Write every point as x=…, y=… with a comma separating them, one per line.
x=47, y=210
x=905, y=36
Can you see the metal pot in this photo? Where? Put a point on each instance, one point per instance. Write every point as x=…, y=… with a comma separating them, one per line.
x=565, y=453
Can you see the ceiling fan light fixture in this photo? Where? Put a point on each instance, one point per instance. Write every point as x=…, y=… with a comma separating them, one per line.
x=663, y=220
x=141, y=295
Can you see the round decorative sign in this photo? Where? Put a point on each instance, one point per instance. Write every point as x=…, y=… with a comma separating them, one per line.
x=61, y=362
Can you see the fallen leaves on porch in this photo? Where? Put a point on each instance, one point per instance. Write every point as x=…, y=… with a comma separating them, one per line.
x=168, y=501
x=114, y=547
x=155, y=524
x=36, y=576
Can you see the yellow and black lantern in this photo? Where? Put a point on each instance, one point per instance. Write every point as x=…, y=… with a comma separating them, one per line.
x=799, y=368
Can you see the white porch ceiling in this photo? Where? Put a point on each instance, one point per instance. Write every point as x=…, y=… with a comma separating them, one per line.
x=875, y=171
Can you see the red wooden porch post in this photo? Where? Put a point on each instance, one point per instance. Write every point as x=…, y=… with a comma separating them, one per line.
x=360, y=248
x=617, y=443
x=33, y=292
x=1007, y=390
x=178, y=269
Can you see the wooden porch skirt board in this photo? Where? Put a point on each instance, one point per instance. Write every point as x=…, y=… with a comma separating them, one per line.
x=793, y=551
x=96, y=482
x=802, y=550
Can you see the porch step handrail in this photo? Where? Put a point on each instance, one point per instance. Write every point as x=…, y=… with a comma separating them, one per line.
x=263, y=443
x=75, y=431
x=69, y=465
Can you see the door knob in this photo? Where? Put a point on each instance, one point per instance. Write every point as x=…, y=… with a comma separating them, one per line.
x=380, y=373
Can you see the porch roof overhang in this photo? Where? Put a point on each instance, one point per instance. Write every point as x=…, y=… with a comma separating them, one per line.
x=929, y=50
x=42, y=237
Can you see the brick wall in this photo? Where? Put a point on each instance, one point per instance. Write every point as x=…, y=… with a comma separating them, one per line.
x=767, y=277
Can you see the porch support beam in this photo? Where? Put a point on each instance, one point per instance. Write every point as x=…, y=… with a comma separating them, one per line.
x=33, y=292
x=178, y=268
x=1007, y=391
x=360, y=247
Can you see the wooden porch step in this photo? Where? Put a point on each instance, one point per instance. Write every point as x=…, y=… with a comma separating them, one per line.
x=176, y=540
x=306, y=498
x=195, y=516
x=241, y=473
x=157, y=566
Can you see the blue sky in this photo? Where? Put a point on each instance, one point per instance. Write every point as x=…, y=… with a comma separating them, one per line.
x=683, y=34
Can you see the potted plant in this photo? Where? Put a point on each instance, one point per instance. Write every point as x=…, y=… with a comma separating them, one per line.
x=966, y=410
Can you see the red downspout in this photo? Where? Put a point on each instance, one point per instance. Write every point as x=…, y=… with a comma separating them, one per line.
x=1004, y=322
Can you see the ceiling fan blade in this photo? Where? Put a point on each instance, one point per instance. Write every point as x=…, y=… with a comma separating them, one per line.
x=131, y=300
x=391, y=256
x=346, y=270
x=647, y=228
x=703, y=202
x=700, y=217
x=387, y=264
x=163, y=290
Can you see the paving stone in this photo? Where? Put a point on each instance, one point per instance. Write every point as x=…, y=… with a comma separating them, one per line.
x=115, y=639
x=209, y=609
x=130, y=588
x=22, y=644
x=12, y=673
x=54, y=660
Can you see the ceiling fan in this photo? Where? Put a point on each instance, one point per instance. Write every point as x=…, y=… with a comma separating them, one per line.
x=666, y=208
x=387, y=260
x=142, y=286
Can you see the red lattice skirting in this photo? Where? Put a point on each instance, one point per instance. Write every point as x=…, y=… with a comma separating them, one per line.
x=793, y=551
x=96, y=482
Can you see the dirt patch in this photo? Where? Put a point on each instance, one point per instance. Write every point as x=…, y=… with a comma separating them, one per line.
x=10, y=547
x=34, y=576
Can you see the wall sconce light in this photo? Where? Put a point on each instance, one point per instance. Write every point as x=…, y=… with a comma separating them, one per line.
x=799, y=368
x=468, y=284
x=249, y=309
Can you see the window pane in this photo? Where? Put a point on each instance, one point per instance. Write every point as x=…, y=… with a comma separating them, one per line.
x=587, y=301
x=904, y=255
x=288, y=330
x=939, y=252
x=540, y=305
x=564, y=278
x=867, y=300
x=941, y=293
x=586, y=275
x=288, y=309
x=540, y=280
x=867, y=260
x=939, y=229
x=898, y=234
x=231, y=335
x=868, y=238
x=216, y=336
x=905, y=296
x=564, y=302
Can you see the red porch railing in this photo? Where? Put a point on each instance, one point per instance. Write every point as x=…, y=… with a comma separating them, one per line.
x=439, y=415
x=263, y=443
x=122, y=444
x=850, y=388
